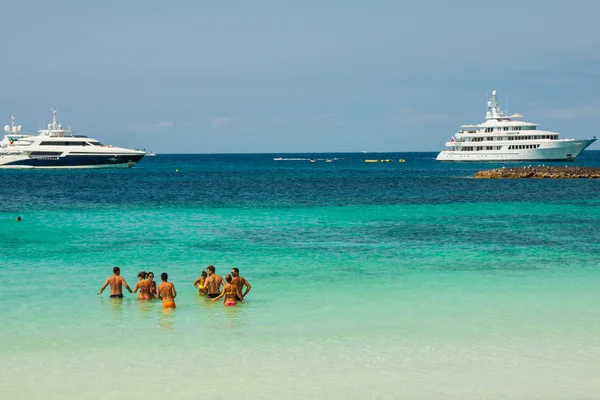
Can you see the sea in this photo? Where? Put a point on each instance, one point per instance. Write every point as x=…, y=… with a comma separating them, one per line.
x=387, y=280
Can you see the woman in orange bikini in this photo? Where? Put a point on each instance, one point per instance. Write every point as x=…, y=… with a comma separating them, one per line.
x=231, y=293
x=144, y=285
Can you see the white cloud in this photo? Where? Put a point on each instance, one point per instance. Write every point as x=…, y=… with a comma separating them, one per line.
x=221, y=121
x=164, y=124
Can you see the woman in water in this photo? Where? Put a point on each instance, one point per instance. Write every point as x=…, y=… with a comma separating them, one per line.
x=152, y=284
x=231, y=293
x=199, y=284
x=144, y=285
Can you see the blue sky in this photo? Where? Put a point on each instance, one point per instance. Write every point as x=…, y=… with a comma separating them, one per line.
x=310, y=76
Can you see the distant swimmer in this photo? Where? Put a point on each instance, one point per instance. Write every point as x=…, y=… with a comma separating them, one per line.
x=200, y=283
x=144, y=285
x=166, y=292
x=18, y=219
x=116, y=282
x=152, y=284
x=213, y=283
x=231, y=293
x=240, y=282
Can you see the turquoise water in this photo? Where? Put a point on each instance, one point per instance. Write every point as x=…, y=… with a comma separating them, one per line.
x=398, y=280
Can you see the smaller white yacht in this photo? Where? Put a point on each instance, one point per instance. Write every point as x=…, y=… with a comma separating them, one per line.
x=56, y=147
x=505, y=138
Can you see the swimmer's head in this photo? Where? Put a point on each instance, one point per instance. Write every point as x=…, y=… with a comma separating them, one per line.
x=150, y=275
x=204, y=274
x=228, y=278
x=210, y=269
x=142, y=275
x=18, y=219
x=164, y=276
x=235, y=271
x=117, y=270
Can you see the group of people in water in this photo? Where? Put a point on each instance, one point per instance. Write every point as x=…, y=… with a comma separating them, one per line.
x=208, y=284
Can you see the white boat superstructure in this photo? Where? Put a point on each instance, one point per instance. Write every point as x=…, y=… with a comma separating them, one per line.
x=506, y=138
x=56, y=147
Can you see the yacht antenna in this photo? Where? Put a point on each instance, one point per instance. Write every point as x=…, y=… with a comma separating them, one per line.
x=53, y=117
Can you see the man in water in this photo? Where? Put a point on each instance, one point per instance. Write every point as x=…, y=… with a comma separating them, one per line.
x=240, y=282
x=166, y=292
x=213, y=283
x=116, y=282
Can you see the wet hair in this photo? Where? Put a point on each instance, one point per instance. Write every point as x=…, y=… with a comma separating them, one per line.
x=19, y=219
x=143, y=275
x=204, y=274
x=211, y=268
x=228, y=278
x=116, y=270
x=164, y=276
x=150, y=273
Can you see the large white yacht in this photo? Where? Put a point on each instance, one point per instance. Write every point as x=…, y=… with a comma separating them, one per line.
x=505, y=138
x=56, y=147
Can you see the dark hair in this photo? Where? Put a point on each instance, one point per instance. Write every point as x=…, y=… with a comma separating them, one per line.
x=237, y=271
x=143, y=275
x=203, y=273
x=116, y=270
x=228, y=278
x=164, y=276
x=211, y=268
x=150, y=273
x=19, y=219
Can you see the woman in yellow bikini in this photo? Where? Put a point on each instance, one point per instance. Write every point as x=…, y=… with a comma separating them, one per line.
x=144, y=285
x=199, y=284
x=231, y=293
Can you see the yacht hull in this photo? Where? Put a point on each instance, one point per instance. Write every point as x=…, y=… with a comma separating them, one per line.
x=70, y=161
x=563, y=150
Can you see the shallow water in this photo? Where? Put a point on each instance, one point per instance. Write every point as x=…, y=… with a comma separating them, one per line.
x=397, y=280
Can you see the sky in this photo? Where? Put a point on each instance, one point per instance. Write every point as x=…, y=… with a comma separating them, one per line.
x=290, y=77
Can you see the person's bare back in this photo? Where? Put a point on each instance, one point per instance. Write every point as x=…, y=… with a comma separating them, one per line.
x=213, y=283
x=166, y=292
x=116, y=283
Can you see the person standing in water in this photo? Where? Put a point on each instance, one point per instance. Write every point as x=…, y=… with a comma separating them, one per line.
x=116, y=282
x=240, y=282
x=152, y=284
x=213, y=283
x=144, y=285
x=166, y=292
x=200, y=284
x=231, y=293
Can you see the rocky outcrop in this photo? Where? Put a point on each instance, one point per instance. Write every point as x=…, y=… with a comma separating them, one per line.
x=540, y=172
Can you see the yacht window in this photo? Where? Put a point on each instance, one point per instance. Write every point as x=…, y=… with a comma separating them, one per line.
x=45, y=153
x=96, y=144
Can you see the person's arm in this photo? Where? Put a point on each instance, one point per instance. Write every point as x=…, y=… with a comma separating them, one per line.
x=103, y=286
x=173, y=292
x=239, y=294
x=196, y=282
x=126, y=285
x=136, y=287
x=158, y=295
x=248, y=287
x=219, y=296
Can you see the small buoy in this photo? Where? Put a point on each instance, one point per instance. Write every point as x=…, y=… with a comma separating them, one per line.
x=176, y=170
x=402, y=160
